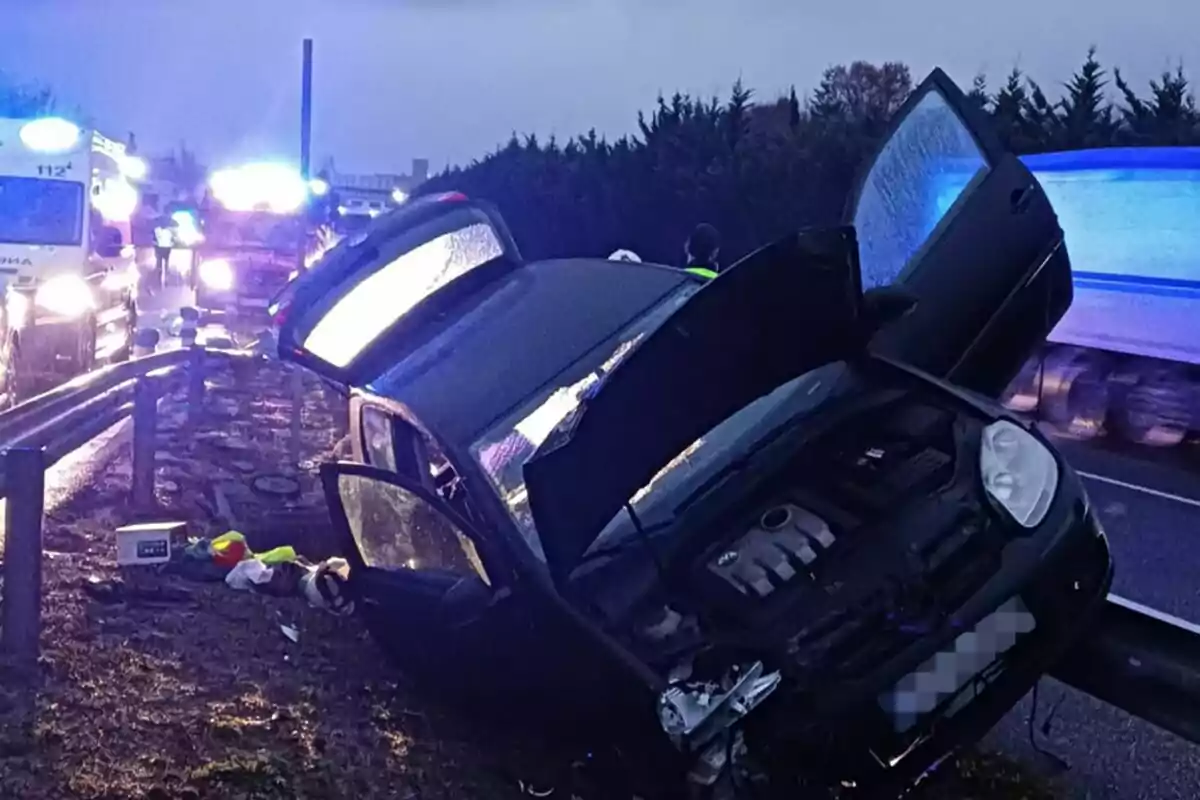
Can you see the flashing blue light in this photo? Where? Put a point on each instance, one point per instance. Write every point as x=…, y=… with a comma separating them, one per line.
x=50, y=135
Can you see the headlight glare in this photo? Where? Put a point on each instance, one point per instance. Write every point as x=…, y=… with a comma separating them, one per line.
x=1019, y=473
x=217, y=274
x=68, y=295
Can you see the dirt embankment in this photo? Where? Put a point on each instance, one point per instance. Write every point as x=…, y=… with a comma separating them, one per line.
x=198, y=693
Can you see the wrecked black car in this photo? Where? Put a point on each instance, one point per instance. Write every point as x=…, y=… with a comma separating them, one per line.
x=769, y=535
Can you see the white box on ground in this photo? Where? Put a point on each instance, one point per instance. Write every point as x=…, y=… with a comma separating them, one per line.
x=148, y=542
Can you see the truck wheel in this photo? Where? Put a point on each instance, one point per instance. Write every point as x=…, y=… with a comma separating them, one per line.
x=1156, y=411
x=1075, y=393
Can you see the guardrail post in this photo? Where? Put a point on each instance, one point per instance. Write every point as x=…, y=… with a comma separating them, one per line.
x=297, y=386
x=187, y=331
x=195, y=387
x=145, y=341
x=145, y=425
x=25, y=476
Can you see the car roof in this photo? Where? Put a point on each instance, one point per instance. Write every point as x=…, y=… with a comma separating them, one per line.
x=534, y=327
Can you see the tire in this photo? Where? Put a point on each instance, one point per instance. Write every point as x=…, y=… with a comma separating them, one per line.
x=16, y=386
x=85, y=358
x=131, y=327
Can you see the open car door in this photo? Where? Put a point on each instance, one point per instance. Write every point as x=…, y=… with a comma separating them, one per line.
x=945, y=212
x=420, y=572
x=388, y=283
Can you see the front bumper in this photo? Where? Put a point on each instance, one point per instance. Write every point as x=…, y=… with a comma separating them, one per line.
x=847, y=737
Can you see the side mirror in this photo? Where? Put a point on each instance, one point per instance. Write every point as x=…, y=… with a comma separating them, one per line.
x=466, y=600
x=884, y=305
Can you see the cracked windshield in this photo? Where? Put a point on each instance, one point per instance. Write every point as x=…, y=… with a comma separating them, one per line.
x=320, y=480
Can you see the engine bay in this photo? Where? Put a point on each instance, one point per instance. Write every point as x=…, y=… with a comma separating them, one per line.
x=872, y=520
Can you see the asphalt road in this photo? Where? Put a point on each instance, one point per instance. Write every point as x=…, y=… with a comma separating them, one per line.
x=1152, y=516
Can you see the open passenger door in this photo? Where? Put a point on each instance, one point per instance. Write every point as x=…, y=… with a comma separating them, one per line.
x=384, y=285
x=945, y=212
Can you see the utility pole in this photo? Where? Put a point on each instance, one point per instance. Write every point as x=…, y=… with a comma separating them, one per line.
x=305, y=139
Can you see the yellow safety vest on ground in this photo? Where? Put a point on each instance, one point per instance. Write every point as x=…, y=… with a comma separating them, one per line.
x=703, y=272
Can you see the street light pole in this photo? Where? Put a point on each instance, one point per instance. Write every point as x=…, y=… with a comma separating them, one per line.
x=305, y=139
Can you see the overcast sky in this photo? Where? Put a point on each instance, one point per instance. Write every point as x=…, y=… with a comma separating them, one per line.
x=450, y=79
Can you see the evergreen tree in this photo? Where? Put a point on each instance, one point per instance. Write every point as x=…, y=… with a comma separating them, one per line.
x=1168, y=118
x=1085, y=117
x=978, y=95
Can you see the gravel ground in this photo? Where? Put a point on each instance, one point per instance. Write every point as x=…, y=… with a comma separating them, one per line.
x=198, y=693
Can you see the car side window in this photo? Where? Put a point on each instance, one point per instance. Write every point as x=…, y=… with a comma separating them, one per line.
x=928, y=166
x=396, y=529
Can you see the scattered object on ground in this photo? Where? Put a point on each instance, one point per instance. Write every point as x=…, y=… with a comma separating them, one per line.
x=290, y=632
x=248, y=574
x=326, y=586
x=228, y=549
x=148, y=542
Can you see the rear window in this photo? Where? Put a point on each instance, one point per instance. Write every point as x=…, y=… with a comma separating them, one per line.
x=383, y=297
x=36, y=211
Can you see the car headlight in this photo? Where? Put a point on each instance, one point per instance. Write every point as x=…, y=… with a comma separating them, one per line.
x=1019, y=473
x=68, y=295
x=378, y=444
x=217, y=274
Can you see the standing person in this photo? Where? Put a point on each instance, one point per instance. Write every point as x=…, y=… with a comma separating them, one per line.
x=701, y=250
x=164, y=242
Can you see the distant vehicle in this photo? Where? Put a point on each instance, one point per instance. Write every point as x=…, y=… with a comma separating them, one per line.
x=1125, y=360
x=67, y=267
x=255, y=236
x=768, y=535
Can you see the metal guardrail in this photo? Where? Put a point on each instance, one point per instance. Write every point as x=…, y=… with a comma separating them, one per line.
x=38, y=433
x=1142, y=661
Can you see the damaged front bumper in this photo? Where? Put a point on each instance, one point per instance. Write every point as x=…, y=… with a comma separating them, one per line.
x=878, y=734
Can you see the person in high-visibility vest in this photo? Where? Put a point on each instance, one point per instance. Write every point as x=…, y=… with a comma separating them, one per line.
x=701, y=249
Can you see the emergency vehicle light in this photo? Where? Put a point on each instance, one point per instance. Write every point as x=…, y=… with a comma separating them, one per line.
x=50, y=135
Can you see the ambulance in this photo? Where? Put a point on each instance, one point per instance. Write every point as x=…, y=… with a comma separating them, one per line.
x=67, y=270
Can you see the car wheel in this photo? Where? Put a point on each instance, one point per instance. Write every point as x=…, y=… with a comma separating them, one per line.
x=131, y=327
x=15, y=380
x=85, y=359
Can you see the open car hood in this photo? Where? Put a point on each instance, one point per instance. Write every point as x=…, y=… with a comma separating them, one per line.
x=773, y=316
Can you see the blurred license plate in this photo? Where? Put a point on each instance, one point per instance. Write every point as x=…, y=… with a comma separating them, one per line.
x=960, y=672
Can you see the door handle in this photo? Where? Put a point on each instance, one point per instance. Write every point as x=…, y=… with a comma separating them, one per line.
x=1020, y=199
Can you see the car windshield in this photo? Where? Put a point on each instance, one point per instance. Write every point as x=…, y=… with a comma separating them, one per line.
x=503, y=450
x=35, y=211
x=703, y=461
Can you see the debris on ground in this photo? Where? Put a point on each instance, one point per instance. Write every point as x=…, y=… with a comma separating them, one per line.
x=157, y=684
